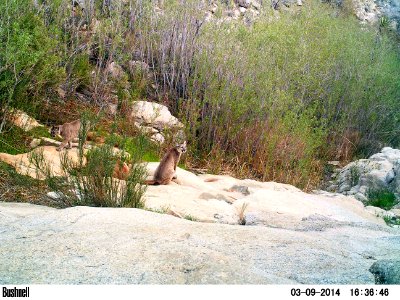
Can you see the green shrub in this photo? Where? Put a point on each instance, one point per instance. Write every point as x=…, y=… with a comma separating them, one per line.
x=13, y=140
x=80, y=71
x=354, y=175
x=392, y=221
x=382, y=198
x=29, y=60
x=95, y=185
x=139, y=145
x=269, y=100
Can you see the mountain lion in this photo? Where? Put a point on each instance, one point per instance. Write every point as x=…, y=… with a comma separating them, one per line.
x=166, y=170
x=68, y=131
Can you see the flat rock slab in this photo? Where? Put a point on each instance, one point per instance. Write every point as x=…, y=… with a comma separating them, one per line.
x=266, y=203
x=85, y=245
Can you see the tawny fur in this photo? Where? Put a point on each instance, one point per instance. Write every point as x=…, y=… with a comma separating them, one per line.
x=121, y=170
x=166, y=170
x=68, y=131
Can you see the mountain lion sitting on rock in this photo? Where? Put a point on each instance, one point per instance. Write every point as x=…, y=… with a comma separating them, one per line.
x=68, y=131
x=166, y=170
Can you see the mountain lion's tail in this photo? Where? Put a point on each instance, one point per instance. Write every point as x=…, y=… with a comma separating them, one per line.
x=151, y=182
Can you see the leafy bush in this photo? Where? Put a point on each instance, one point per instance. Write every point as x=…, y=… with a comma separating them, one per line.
x=276, y=99
x=94, y=182
x=28, y=56
x=13, y=140
x=354, y=175
x=382, y=198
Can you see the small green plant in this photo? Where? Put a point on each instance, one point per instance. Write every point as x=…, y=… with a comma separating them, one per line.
x=162, y=210
x=355, y=175
x=39, y=132
x=384, y=22
x=392, y=221
x=190, y=218
x=383, y=198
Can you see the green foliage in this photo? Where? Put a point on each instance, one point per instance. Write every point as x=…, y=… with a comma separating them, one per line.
x=28, y=57
x=354, y=175
x=96, y=185
x=13, y=140
x=139, y=146
x=40, y=131
x=270, y=96
x=392, y=221
x=90, y=179
x=382, y=198
x=80, y=71
x=273, y=100
x=190, y=218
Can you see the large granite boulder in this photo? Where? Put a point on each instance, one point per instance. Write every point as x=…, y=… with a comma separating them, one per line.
x=22, y=120
x=386, y=271
x=379, y=172
x=88, y=245
x=157, y=119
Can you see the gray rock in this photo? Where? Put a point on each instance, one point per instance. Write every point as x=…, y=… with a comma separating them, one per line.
x=361, y=197
x=154, y=114
x=244, y=3
x=87, y=245
x=372, y=11
x=386, y=271
x=241, y=189
x=158, y=138
x=379, y=172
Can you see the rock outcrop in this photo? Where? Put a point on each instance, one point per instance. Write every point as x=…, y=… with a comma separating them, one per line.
x=293, y=237
x=86, y=245
x=372, y=11
x=22, y=120
x=52, y=158
x=386, y=271
x=379, y=172
x=264, y=203
x=224, y=199
x=156, y=119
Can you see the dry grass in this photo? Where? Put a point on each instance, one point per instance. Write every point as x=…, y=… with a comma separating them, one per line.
x=241, y=211
x=18, y=188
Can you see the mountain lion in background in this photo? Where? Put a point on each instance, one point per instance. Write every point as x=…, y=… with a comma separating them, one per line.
x=68, y=132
